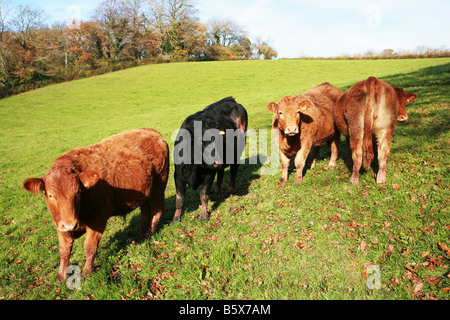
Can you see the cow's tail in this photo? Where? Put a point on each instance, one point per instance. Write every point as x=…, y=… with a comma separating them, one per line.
x=372, y=100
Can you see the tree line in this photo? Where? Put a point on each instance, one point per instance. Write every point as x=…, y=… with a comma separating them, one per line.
x=120, y=34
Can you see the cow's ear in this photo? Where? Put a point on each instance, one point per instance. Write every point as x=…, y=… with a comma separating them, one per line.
x=89, y=178
x=410, y=97
x=305, y=105
x=34, y=185
x=272, y=106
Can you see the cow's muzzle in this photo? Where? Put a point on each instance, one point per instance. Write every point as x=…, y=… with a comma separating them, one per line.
x=67, y=227
x=291, y=131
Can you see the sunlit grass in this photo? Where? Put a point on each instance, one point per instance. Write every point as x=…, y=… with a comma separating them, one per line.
x=312, y=241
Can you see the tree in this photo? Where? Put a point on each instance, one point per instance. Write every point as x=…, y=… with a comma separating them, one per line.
x=229, y=35
x=137, y=28
x=7, y=62
x=113, y=23
x=175, y=22
x=26, y=23
x=225, y=33
x=388, y=53
x=5, y=10
x=263, y=49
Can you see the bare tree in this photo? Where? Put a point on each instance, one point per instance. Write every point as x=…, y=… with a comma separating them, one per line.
x=225, y=33
x=134, y=11
x=265, y=50
x=26, y=22
x=175, y=21
x=6, y=63
x=112, y=21
x=5, y=10
x=422, y=49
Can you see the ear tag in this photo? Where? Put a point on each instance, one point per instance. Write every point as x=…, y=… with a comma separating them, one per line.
x=222, y=133
x=303, y=108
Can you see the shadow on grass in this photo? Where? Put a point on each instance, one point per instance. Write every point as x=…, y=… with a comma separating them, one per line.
x=429, y=116
x=247, y=174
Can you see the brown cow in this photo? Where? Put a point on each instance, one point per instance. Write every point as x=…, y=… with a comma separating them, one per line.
x=86, y=186
x=304, y=121
x=369, y=112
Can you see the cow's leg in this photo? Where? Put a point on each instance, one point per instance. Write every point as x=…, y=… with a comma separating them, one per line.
x=220, y=174
x=384, y=146
x=356, y=144
x=65, y=249
x=91, y=242
x=146, y=216
x=234, y=168
x=180, y=187
x=204, y=195
x=157, y=202
x=300, y=159
x=152, y=209
x=348, y=160
x=334, y=150
x=285, y=160
x=314, y=153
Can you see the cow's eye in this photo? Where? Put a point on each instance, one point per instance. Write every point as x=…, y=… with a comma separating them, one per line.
x=50, y=195
x=280, y=112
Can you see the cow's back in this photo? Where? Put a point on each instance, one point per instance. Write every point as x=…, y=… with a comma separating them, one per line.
x=324, y=96
x=228, y=108
x=126, y=160
x=372, y=96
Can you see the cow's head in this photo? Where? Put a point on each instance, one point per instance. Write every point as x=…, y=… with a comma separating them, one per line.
x=403, y=99
x=63, y=187
x=288, y=114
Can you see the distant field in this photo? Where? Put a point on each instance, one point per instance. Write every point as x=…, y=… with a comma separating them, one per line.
x=312, y=241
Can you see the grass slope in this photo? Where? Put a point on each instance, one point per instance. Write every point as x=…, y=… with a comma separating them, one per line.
x=312, y=241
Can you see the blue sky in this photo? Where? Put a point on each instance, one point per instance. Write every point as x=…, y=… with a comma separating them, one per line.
x=315, y=28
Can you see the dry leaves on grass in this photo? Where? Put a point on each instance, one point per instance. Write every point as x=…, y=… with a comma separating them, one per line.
x=444, y=247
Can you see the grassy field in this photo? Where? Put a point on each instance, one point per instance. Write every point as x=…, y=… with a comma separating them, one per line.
x=316, y=240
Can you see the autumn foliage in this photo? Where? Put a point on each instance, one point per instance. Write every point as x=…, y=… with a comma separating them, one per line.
x=121, y=34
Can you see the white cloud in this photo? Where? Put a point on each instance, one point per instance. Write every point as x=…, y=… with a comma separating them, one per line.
x=327, y=28
x=316, y=28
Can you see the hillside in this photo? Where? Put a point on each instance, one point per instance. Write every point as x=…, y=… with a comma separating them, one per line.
x=313, y=241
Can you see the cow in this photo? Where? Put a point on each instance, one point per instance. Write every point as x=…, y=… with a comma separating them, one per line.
x=304, y=121
x=208, y=142
x=367, y=115
x=86, y=186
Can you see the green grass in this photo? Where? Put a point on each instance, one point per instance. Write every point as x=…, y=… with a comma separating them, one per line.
x=312, y=241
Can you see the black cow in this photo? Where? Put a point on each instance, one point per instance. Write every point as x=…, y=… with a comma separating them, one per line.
x=208, y=142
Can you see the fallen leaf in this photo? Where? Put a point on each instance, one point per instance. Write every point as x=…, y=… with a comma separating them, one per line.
x=446, y=289
x=418, y=287
x=395, y=281
x=408, y=267
x=445, y=248
x=396, y=186
x=362, y=246
x=300, y=245
x=406, y=251
x=433, y=281
x=390, y=249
